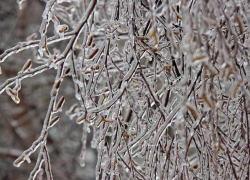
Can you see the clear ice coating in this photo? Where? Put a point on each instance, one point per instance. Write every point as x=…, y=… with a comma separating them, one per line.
x=160, y=87
x=13, y=94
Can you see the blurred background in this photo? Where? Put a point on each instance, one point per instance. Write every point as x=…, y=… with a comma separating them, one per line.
x=21, y=124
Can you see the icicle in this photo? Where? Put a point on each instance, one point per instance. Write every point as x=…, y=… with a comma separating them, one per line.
x=20, y=4
x=94, y=138
x=83, y=149
x=28, y=159
x=46, y=17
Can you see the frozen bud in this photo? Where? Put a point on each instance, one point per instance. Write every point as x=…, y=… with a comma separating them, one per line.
x=199, y=57
x=90, y=39
x=108, y=120
x=56, y=53
x=66, y=71
x=70, y=9
x=193, y=110
x=240, y=23
x=93, y=53
x=54, y=121
x=72, y=109
x=43, y=46
x=60, y=29
x=101, y=100
x=31, y=37
x=207, y=100
x=60, y=104
x=221, y=146
x=235, y=89
x=27, y=66
x=153, y=34
x=81, y=119
x=168, y=68
x=58, y=83
x=195, y=166
x=13, y=95
x=19, y=160
x=56, y=87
